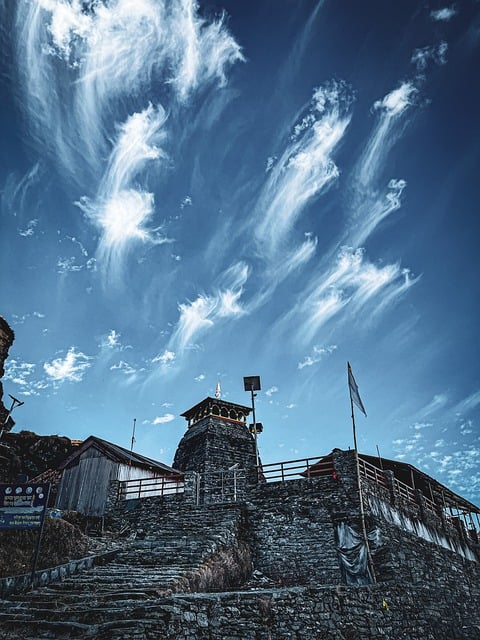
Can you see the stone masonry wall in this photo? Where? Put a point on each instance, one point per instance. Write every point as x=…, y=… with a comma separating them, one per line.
x=396, y=612
x=415, y=560
x=292, y=532
x=213, y=445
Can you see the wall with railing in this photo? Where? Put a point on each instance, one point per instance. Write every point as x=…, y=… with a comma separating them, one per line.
x=296, y=469
x=138, y=488
x=234, y=485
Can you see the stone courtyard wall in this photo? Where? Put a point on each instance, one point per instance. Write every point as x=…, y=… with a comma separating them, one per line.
x=393, y=612
x=292, y=531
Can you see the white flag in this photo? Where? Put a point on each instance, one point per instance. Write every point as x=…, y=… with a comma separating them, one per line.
x=354, y=395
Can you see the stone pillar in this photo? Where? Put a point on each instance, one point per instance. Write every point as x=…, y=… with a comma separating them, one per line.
x=345, y=467
x=191, y=480
x=112, y=496
x=420, y=500
x=389, y=479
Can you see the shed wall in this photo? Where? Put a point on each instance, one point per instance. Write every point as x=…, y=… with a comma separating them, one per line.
x=84, y=487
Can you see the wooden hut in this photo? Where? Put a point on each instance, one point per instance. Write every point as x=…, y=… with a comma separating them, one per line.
x=88, y=473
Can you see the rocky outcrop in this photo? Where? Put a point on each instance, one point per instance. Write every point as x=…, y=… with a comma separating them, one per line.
x=29, y=454
x=6, y=340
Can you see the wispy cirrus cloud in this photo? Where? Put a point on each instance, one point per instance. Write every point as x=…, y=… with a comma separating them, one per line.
x=305, y=169
x=318, y=353
x=444, y=14
x=83, y=68
x=353, y=282
x=70, y=368
x=271, y=391
x=26, y=316
x=110, y=51
x=126, y=369
x=112, y=340
x=206, y=310
x=167, y=417
x=120, y=210
x=467, y=404
x=23, y=375
x=345, y=281
x=29, y=230
x=15, y=191
x=371, y=203
x=19, y=372
x=435, y=53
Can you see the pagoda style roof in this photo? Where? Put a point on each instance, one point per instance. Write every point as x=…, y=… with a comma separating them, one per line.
x=219, y=408
x=117, y=454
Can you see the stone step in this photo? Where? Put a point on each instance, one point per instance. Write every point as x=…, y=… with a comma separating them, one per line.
x=123, y=597
x=136, y=628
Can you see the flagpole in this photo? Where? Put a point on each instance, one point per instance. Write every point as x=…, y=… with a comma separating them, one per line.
x=359, y=485
x=353, y=421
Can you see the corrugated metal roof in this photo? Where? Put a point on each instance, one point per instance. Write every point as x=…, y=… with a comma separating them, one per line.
x=118, y=454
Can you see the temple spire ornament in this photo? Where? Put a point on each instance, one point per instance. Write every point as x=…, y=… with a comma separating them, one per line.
x=218, y=391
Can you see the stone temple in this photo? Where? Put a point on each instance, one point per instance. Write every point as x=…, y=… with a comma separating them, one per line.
x=341, y=546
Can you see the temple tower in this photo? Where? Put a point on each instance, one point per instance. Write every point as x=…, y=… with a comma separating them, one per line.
x=217, y=438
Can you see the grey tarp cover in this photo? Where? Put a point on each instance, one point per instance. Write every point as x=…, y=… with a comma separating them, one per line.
x=352, y=551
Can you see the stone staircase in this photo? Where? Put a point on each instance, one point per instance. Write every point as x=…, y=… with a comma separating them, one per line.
x=186, y=550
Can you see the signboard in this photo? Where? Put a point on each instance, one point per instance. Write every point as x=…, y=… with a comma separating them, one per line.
x=22, y=506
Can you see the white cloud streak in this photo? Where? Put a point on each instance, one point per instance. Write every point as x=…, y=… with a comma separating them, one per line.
x=121, y=211
x=304, y=170
x=79, y=65
x=467, y=404
x=317, y=355
x=370, y=204
x=167, y=417
x=443, y=15
x=72, y=367
x=205, y=311
x=435, y=53
x=111, y=51
x=352, y=282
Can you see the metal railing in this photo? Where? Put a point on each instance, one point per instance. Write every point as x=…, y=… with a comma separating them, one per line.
x=219, y=486
x=149, y=487
x=295, y=469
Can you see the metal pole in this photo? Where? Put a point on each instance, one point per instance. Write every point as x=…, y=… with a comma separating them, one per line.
x=353, y=424
x=378, y=454
x=360, y=495
x=133, y=434
x=39, y=540
x=15, y=403
x=254, y=426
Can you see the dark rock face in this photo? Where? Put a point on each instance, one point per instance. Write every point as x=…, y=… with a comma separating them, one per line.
x=6, y=340
x=30, y=454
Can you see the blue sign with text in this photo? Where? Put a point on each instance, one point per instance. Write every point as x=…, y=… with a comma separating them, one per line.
x=22, y=506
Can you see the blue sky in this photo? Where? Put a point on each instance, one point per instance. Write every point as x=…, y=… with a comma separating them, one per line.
x=193, y=193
